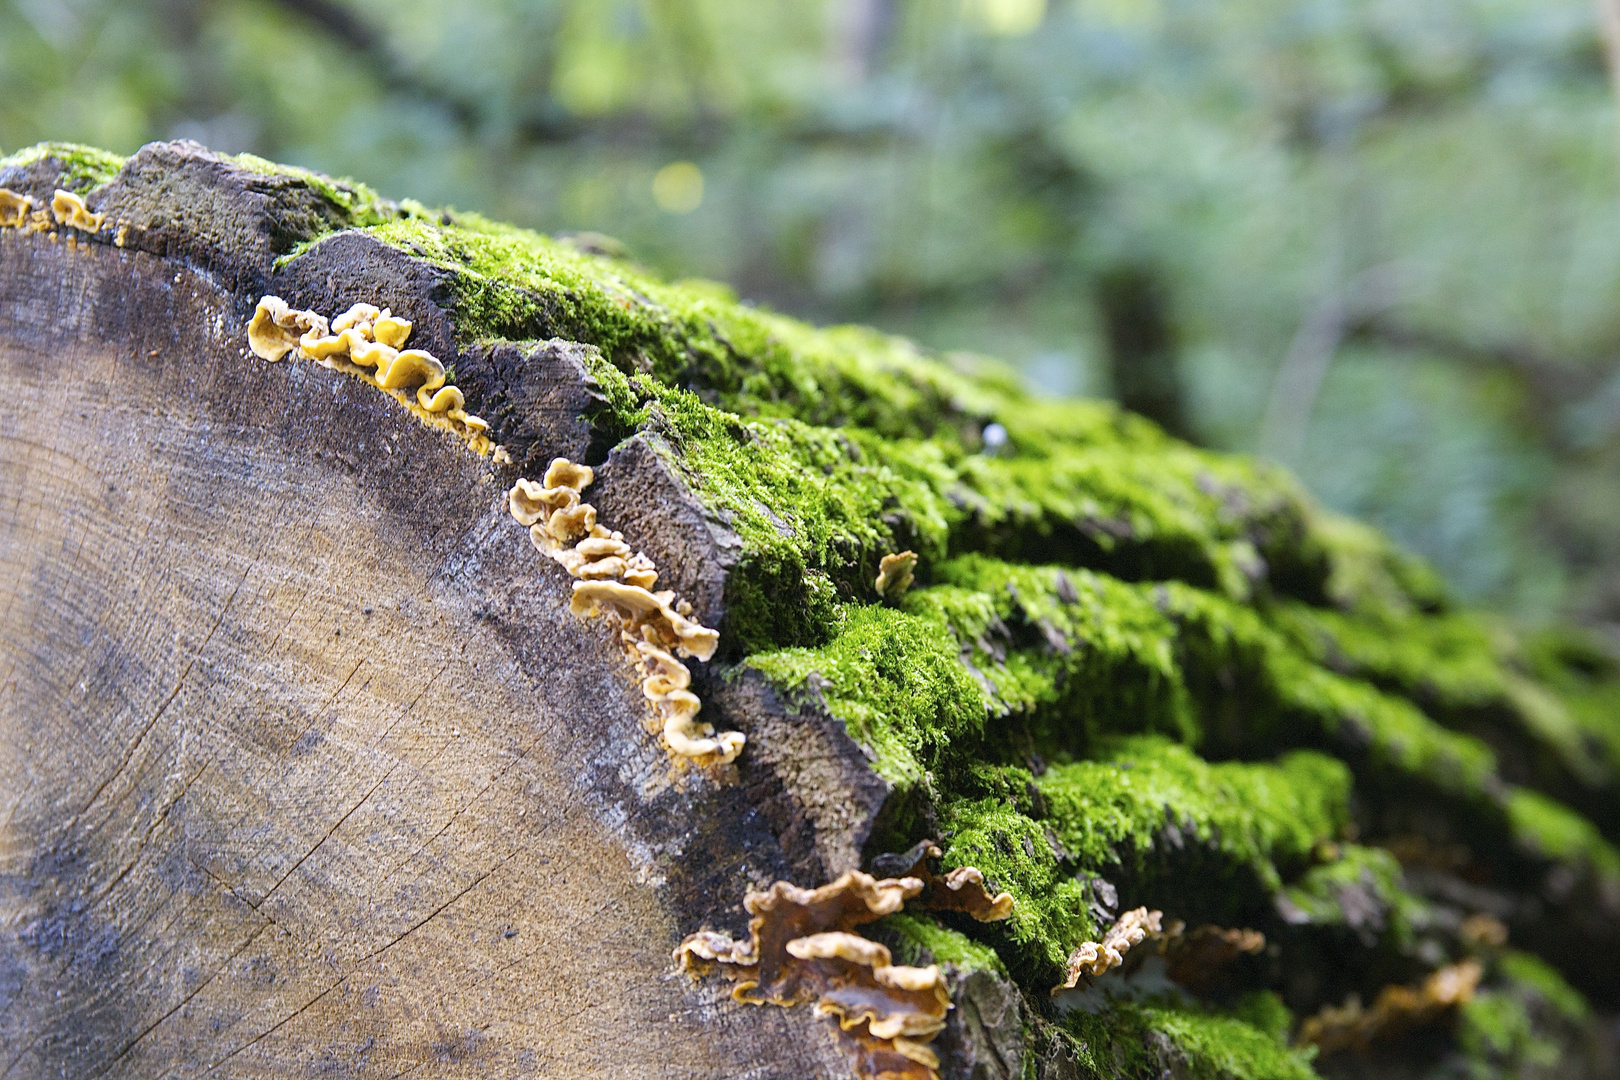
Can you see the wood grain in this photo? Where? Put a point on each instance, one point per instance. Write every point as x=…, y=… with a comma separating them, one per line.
x=304, y=767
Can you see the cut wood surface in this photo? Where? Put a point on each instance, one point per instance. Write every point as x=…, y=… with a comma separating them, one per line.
x=307, y=768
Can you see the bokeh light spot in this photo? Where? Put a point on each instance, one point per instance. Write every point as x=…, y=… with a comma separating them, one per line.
x=678, y=187
x=1011, y=18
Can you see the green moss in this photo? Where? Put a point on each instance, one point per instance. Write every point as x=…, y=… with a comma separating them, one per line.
x=1463, y=669
x=1074, y=654
x=355, y=205
x=84, y=168
x=1532, y=976
x=1360, y=889
x=1257, y=815
x=1527, y=1022
x=1585, y=674
x=1051, y=912
x=920, y=940
x=1219, y=1046
x=893, y=679
x=1546, y=828
x=1143, y=1041
x=1264, y=1011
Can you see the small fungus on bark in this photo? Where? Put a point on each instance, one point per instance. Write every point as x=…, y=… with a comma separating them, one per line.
x=276, y=328
x=14, y=209
x=801, y=947
x=1093, y=958
x=1397, y=1009
x=1194, y=958
x=961, y=889
x=616, y=581
x=69, y=210
x=365, y=341
x=895, y=574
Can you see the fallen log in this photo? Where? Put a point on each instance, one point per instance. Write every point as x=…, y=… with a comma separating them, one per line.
x=313, y=763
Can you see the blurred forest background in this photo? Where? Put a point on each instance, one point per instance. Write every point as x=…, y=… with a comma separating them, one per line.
x=1376, y=240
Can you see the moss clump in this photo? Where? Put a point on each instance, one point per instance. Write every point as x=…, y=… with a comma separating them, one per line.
x=919, y=940
x=83, y=168
x=1544, y=827
x=1258, y=816
x=893, y=680
x=1146, y=1041
x=1528, y=1023
x=354, y=205
x=1361, y=889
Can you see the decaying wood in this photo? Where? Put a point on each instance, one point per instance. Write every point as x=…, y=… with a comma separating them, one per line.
x=306, y=768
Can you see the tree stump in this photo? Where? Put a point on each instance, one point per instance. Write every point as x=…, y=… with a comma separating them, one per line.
x=309, y=770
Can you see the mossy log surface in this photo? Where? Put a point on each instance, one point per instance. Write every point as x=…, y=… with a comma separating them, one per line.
x=307, y=769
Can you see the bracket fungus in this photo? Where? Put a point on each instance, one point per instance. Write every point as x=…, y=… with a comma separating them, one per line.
x=895, y=574
x=616, y=581
x=365, y=341
x=14, y=209
x=1093, y=958
x=961, y=889
x=801, y=947
x=69, y=210
x=1397, y=1009
x=1193, y=958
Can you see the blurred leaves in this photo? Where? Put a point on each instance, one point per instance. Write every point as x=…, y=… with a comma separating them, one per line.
x=1159, y=199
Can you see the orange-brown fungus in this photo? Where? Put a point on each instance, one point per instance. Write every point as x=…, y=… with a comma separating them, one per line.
x=801, y=947
x=617, y=582
x=1483, y=931
x=365, y=342
x=1193, y=958
x=961, y=889
x=895, y=573
x=1397, y=1009
x=1095, y=957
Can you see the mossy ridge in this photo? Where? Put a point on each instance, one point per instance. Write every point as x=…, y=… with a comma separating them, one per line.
x=355, y=205
x=83, y=168
x=1169, y=1037
x=1474, y=675
x=1075, y=482
x=1147, y=818
x=1526, y=1022
x=918, y=940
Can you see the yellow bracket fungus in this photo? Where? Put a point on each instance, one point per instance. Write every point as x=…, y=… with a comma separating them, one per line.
x=801, y=947
x=1095, y=957
x=17, y=211
x=1192, y=958
x=616, y=581
x=961, y=889
x=14, y=209
x=69, y=210
x=894, y=573
x=365, y=341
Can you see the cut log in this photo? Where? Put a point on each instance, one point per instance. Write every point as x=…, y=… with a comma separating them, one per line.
x=307, y=767
x=1071, y=750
